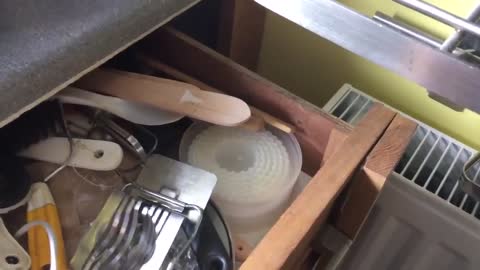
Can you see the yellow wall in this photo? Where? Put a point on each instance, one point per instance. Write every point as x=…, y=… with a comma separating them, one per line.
x=315, y=69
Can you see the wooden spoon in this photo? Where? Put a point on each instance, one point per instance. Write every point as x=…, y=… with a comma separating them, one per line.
x=256, y=122
x=169, y=95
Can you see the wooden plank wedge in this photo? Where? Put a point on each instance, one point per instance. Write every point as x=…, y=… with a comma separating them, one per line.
x=169, y=95
x=289, y=239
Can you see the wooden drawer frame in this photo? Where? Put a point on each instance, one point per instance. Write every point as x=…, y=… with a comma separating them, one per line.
x=334, y=152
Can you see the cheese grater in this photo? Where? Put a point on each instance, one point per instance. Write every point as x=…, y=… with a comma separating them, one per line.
x=194, y=186
x=165, y=187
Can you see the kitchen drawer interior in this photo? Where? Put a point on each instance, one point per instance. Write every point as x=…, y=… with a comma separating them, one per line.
x=181, y=54
x=80, y=194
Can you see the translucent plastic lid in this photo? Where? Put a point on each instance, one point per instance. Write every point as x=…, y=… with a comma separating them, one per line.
x=251, y=167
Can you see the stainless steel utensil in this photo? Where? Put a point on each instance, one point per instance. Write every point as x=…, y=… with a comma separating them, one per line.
x=108, y=236
x=451, y=42
x=137, y=254
x=194, y=187
x=110, y=258
x=407, y=29
x=122, y=136
x=441, y=15
x=109, y=213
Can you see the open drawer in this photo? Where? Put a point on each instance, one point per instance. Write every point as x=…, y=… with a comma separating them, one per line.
x=334, y=153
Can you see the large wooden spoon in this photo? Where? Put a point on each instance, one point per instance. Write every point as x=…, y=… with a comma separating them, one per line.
x=169, y=95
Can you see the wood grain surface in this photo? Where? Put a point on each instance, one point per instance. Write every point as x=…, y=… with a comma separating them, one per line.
x=169, y=95
x=257, y=120
x=369, y=181
x=290, y=237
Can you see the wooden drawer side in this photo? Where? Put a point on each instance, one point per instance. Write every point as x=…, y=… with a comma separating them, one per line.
x=288, y=240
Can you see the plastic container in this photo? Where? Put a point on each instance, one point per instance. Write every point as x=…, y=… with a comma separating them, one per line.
x=256, y=171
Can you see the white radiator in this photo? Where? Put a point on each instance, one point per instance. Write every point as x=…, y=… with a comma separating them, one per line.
x=422, y=219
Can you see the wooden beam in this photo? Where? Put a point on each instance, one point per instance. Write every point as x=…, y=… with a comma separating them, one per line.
x=225, y=26
x=241, y=31
x=290, y=237
x=369, y=181
x=335, y=141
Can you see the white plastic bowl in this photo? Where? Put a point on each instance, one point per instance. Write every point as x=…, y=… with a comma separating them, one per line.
x=256, y=171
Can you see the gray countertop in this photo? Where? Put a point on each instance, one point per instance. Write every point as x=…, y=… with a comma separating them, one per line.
x=47, y=44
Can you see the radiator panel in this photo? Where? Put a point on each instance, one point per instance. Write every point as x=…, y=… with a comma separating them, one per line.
x=432, y=160
x=409, y=229
x=422, y=219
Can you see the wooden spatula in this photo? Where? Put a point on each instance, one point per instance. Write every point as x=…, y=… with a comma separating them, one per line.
x=169, y=95
x=258, y=118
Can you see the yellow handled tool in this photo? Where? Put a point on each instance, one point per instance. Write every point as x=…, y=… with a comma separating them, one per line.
x=41, y=207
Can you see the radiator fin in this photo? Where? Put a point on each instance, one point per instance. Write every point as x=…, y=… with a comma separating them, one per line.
x=432, y=160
